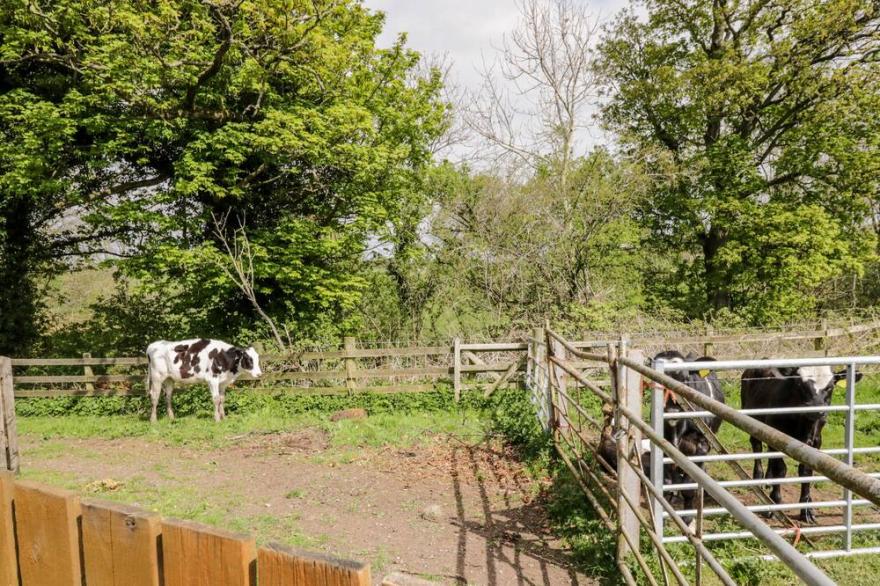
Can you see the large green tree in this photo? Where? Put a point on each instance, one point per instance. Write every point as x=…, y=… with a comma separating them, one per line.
x=764, y=115
x=137, y=124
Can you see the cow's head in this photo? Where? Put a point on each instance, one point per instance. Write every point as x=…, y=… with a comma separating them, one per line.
x=249, y=361
x=669, y=357
x=815, y=386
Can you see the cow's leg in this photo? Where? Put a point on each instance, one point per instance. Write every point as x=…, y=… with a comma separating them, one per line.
x=168, y=390
x=807, y=515
x=223, y=400
x=757, y=448
x=215, y=395
x=155, y=389
x=776, y=468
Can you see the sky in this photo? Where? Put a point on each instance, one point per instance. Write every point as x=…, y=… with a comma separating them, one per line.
x=466, y=30
x=468, y=33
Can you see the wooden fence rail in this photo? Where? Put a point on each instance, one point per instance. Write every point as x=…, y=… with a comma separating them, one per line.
x=48, y=536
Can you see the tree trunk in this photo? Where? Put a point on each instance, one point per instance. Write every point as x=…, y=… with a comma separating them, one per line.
x=716, y=278
x=18, y=266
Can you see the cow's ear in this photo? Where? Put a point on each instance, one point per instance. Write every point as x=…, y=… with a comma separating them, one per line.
x=842, y=375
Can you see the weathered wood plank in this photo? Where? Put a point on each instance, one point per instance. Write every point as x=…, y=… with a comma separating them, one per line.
x=51, y=392
x=514, y=366
x=283, y=566
x=48, y=537
x=120, y=544
x=56, y=378
x=8, y=562
x=496, y=347
x=198, y=555
x=123, y=361
x=477, y=360
x=7, y=413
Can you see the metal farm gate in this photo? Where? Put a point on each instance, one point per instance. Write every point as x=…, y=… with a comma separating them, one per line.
x=588, y=399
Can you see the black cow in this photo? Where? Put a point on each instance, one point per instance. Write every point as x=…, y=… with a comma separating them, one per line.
x=685, y=434
x=768, y=388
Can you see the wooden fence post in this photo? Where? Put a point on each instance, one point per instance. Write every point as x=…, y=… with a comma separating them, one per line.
x=456, y=368
x=349, y=345
x=629, y=395
x=542, y=380
x=708, y=346
x=87, y=370
x=560, y=409
x=9, y=441
x=820, y=344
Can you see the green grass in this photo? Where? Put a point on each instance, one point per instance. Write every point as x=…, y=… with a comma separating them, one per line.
x=384, y=429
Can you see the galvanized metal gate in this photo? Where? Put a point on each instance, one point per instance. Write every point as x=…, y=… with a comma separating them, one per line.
x=573, y=387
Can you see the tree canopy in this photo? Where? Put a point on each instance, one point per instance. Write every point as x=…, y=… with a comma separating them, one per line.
x=138, y=124
x=768, y=113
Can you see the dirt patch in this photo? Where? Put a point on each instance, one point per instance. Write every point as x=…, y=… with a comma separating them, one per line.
x=486, y=526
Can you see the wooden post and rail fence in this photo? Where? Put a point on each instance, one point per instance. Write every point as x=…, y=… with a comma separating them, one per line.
x=354, y=367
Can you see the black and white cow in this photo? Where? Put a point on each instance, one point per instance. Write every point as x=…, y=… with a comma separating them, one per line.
x=770, y=388
x=685, y=434
x=200, y=360
x=608, y=445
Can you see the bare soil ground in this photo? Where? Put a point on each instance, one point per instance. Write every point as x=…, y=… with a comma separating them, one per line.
x=448, y=510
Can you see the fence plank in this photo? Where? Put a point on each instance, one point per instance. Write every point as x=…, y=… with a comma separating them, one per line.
x=120, y=544
x=7, y=412
x=125, y=361
x=282, y=566
x=8, y=563
x=496, y=347
x=48, y=536
x=101, y=378
x=198, y=555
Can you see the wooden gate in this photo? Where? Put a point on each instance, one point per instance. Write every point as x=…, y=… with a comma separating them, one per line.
x=49, y=536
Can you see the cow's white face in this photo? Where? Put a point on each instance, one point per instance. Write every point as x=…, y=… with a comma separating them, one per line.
x=256, y=372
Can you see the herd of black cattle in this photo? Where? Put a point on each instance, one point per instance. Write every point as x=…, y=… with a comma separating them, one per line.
x=765, y=388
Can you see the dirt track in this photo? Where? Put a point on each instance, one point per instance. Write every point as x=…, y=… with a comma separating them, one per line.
x=454, y=512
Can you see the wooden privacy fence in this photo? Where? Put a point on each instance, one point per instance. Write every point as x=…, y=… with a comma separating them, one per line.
x=49, y=537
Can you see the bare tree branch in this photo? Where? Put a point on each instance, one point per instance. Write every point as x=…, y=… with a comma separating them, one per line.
x=240, y=269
